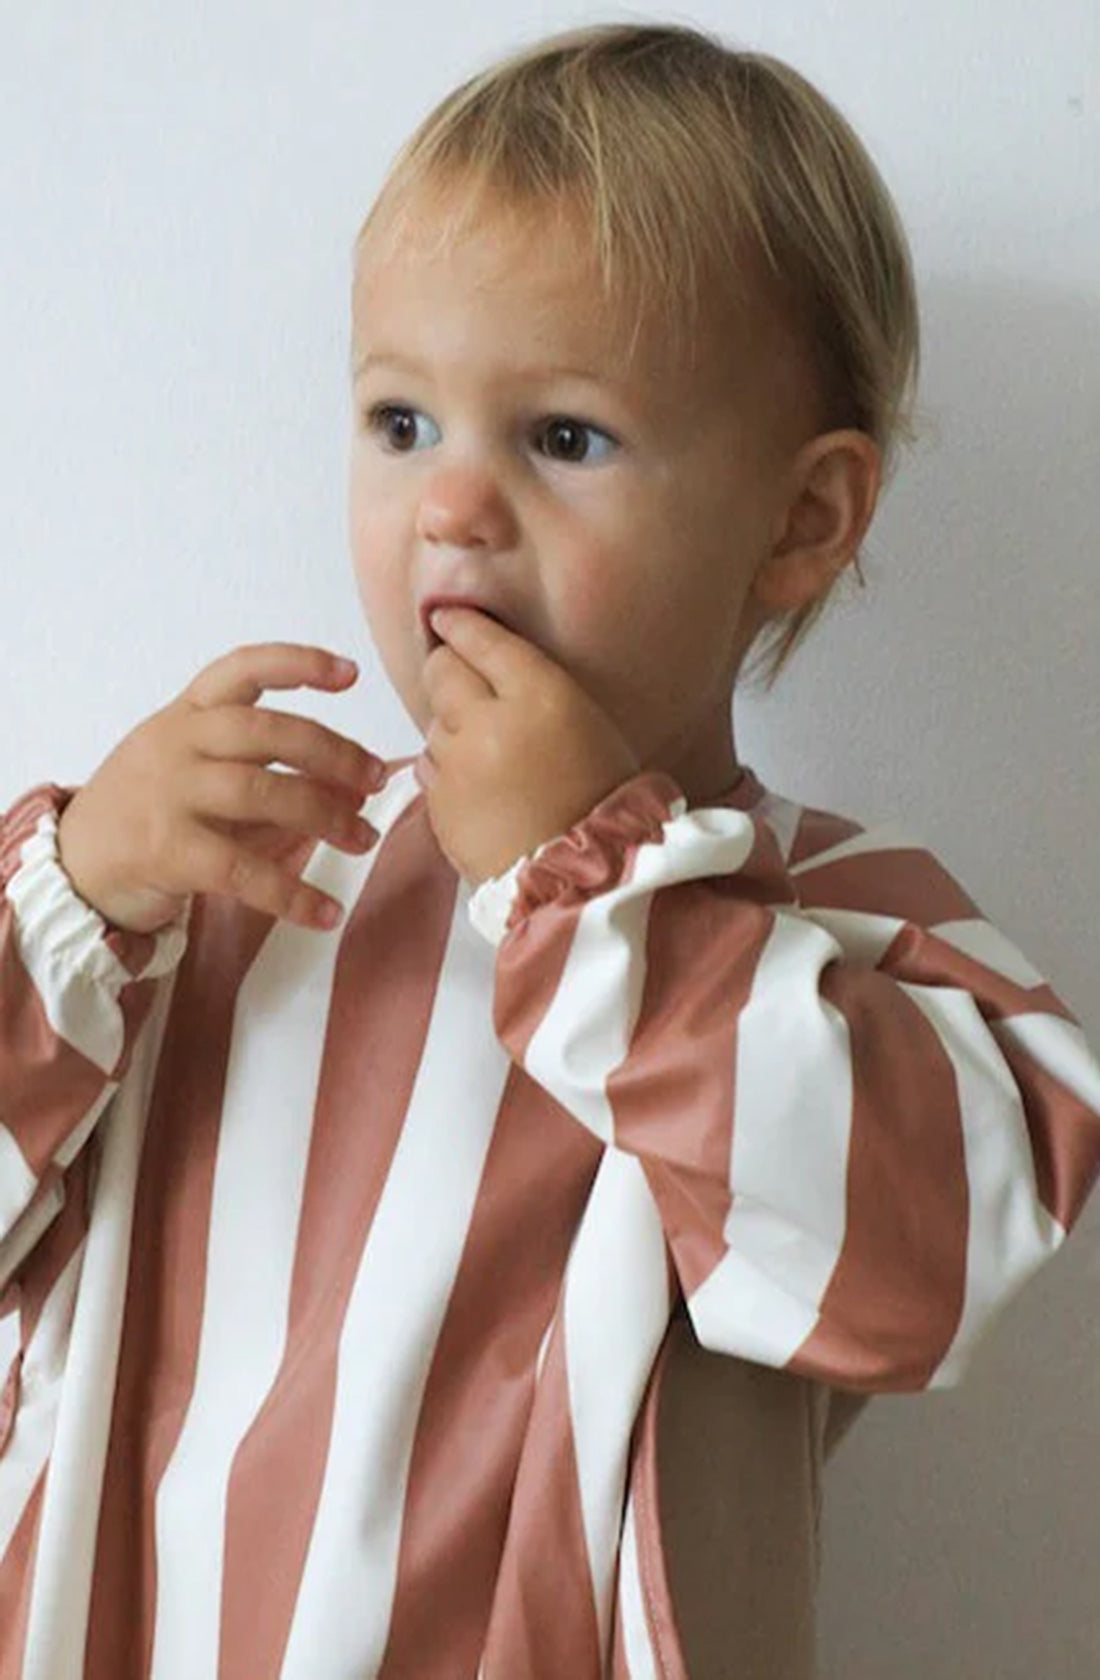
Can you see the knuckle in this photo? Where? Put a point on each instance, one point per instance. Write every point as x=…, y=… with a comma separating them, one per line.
x=260, y=788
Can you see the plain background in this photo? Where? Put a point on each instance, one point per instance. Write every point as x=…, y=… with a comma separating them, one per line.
x=179, y=191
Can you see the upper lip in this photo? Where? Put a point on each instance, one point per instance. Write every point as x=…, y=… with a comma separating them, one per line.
x=430, y=602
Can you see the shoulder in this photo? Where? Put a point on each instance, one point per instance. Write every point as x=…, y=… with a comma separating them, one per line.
x=837, y=862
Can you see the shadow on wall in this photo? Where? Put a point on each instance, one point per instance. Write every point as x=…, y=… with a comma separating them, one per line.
x=958, y=693
x=962, y=1527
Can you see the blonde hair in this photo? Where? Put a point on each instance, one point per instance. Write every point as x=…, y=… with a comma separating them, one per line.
x=697, y=163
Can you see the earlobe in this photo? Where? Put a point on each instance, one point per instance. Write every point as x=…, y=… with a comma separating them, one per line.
x=833, y=489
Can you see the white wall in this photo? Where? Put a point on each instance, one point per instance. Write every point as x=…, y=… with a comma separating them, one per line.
x=179, y=188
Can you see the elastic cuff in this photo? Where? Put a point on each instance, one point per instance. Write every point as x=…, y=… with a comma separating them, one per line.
x=588, y=859
x=56, y=925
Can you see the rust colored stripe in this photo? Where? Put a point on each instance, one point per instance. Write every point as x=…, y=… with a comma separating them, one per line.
x=693, y=1213
x=894, y=1290
x=699, y=964
x=543, y=1624
x=703, y=944
x=479, y=1392
x=377, y=1025
x=48, y=1086
x=1063, y=1132
x=20, y=823
x=905, y=881
x=16, y=1580
x=819, y=831
x=921, y=959
x=163, y=1310
x=56, y=1247
x=536, y=947
x=592, y=857
x=620, y=1669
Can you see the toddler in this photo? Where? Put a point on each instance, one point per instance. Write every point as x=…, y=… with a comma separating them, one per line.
x=344, y=1268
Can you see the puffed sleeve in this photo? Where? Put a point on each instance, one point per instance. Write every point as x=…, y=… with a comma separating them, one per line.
x=73, y=997
x=863, y=1117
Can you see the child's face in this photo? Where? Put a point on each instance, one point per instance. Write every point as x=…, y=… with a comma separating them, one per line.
x=610, y=510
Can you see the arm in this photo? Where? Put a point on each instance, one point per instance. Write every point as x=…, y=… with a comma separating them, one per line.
x=73, y=997
x=96, y=888
x=864, y=1119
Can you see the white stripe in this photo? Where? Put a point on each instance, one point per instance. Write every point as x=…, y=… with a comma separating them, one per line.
x=61, y=1595
x=382, y=809
x=886, y=838
x=976, y=938
x=616, y=1315
x=394, y=1316
x=637, y=1647
x=28, y=1446
x=793, y=1089
x=1008, y=1231
x=741, y=1309
x=17, y=1185
x=23, y=1219
x=864, y=938
x=31, y=1225
x=586, y=1030
x=263, y=1150
x=1058, y=1046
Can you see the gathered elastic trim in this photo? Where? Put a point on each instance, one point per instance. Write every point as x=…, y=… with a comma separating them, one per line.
x=588, y=859
x=66, y=933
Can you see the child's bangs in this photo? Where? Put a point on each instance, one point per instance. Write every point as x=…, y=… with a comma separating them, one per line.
x=664, y=222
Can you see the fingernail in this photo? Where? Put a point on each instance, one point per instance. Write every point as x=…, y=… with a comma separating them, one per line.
x=329, y=915
x=346, y=667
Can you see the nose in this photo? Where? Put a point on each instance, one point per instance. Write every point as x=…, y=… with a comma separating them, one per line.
x=465, y=507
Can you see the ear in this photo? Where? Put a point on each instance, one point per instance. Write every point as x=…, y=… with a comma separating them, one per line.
x=831, y=494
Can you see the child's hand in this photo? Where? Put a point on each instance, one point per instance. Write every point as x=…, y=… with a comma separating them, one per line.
x=518, y=751
x=187, y=804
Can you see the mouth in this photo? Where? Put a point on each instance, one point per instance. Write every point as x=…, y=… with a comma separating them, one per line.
x=431, y=638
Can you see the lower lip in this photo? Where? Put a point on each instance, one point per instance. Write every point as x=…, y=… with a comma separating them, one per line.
x=435, y=640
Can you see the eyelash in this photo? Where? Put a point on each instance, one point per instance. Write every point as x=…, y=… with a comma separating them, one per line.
x=381, y=414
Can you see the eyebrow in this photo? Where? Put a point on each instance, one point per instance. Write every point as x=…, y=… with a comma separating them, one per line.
x=536, y=373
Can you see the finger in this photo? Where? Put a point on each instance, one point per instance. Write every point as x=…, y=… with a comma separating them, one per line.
x=218, y=864
x=504, y=659
x=240, y=677
x=249, y=794
x=452, y=685
x=259, y=735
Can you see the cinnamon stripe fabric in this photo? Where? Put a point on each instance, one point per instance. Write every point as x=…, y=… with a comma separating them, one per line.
x=335, y=1270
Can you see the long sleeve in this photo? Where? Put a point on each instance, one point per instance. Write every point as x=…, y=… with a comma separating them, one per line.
x=864, y=1119
x=73, y=997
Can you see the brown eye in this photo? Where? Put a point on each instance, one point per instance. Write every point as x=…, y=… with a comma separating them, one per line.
x=400, y=428
x=566, y=441
x=575, y=441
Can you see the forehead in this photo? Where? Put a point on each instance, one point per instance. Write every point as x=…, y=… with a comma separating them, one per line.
x=530, y=269
x=435, y=258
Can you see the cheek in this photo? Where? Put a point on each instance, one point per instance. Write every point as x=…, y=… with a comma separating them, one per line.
x=374, y=542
